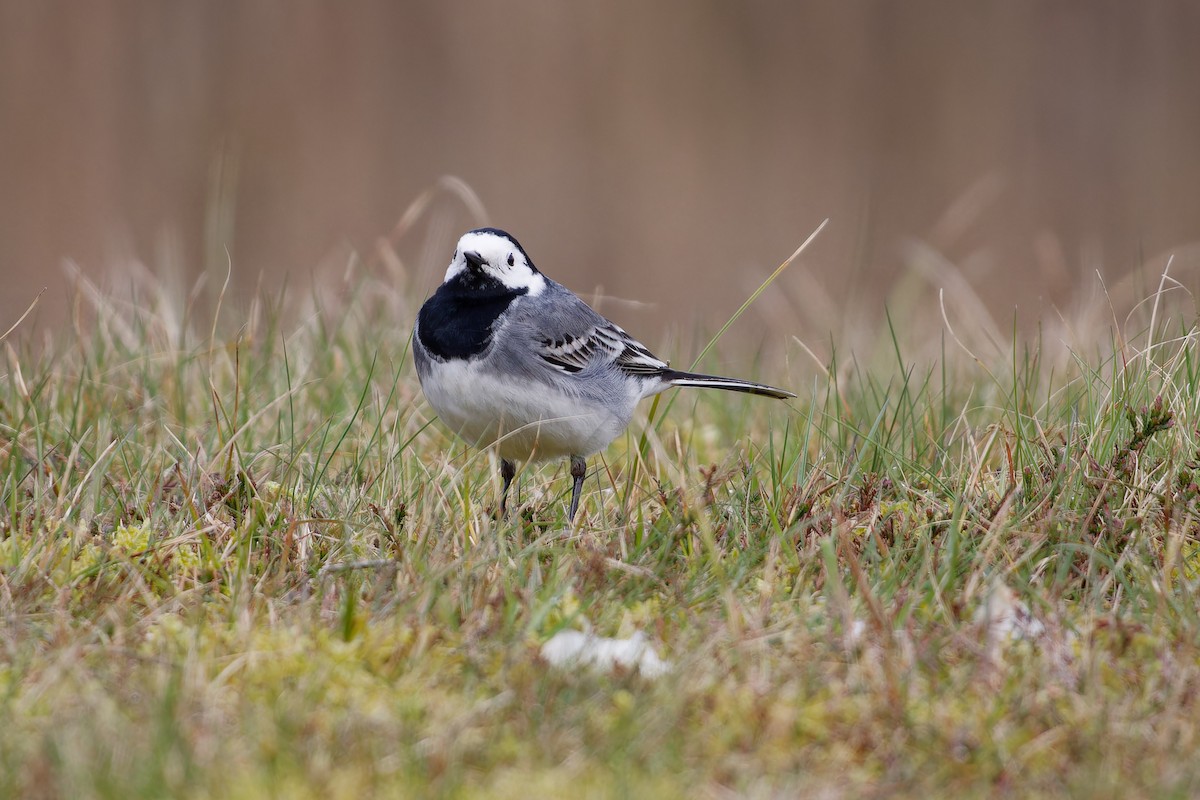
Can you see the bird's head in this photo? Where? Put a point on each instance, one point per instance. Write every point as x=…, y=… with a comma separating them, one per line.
x=486, y=257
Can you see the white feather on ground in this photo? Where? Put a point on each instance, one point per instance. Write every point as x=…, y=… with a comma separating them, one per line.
x=567, y=649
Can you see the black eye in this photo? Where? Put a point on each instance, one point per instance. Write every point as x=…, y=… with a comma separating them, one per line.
x=510, y=259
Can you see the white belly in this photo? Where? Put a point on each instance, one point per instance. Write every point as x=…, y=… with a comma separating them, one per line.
x=522, y=420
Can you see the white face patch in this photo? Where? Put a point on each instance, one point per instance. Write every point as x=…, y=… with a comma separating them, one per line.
x=501, y=259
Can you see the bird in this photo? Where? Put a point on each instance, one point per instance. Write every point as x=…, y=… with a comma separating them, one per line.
x=510, y=359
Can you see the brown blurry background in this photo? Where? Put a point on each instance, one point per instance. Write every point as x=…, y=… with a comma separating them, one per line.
x=660, y=150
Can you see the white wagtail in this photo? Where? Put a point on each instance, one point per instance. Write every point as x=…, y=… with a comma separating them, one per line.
x=511, y=359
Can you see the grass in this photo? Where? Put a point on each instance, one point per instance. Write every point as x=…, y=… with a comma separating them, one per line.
x=248, y=564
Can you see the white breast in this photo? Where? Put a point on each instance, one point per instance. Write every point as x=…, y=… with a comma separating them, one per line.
x=525, y=420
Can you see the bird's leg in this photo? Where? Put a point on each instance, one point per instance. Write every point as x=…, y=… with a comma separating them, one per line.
x=507, y=470
x=578, y=470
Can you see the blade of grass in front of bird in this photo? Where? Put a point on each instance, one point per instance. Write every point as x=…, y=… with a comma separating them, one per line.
x=653, y=419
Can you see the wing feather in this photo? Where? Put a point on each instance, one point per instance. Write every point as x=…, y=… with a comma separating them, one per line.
x=605, y=342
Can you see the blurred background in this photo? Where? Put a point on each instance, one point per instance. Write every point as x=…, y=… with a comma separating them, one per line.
x=672, y=152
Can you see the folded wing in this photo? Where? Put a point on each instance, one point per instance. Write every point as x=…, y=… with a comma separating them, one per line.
x=605, y=342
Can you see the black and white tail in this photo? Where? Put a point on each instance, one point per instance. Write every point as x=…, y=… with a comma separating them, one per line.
x=677, y=378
